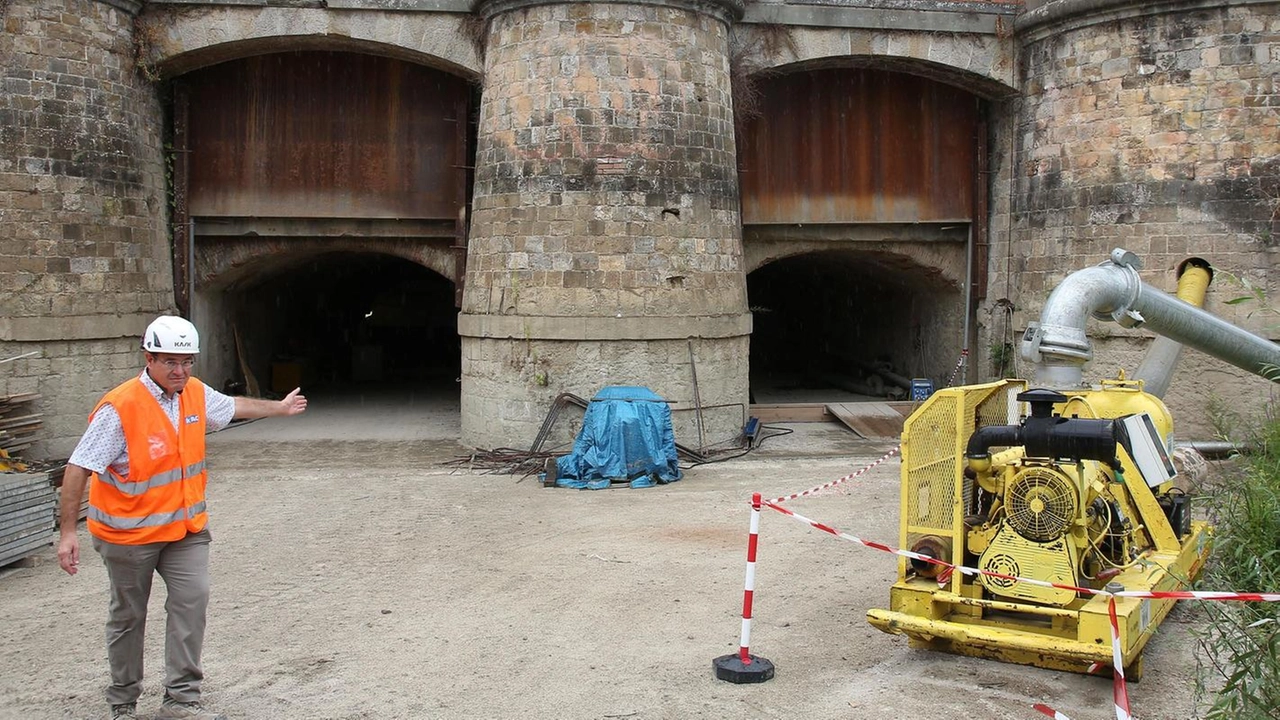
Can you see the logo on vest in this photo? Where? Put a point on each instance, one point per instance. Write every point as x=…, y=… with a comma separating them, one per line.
x=192, y=418
x=158, y=447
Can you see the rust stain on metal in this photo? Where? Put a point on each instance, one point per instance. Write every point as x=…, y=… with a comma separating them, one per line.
x=859, y=145
x=324, y=134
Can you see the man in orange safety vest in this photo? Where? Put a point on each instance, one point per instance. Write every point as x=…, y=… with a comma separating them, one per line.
x=143, y=457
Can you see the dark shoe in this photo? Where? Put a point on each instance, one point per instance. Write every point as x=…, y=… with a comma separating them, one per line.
x=171, y=709
x=124, y=711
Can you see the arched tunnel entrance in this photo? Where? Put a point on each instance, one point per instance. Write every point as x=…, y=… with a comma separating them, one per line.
x=345, y=320
x=848, y=325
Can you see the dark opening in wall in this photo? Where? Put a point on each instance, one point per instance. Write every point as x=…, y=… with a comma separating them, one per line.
x=849, y=325
x=344, y=319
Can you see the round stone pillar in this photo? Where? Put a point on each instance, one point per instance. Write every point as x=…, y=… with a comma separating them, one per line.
x=84, y=250
x=606, y=242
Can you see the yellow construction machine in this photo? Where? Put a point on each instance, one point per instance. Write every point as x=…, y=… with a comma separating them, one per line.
x=1066, y=485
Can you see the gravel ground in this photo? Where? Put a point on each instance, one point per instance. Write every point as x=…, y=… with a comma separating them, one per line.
x=357, y=576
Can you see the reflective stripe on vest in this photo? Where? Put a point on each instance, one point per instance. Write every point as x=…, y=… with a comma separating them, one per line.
x=133, y=523
x=157, y=480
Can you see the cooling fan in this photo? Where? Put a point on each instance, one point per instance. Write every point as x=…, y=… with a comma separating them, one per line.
x=1040, y=504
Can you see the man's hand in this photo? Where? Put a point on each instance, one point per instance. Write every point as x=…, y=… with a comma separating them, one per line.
x=294, y=403
x=248, y=408
x=69, y=553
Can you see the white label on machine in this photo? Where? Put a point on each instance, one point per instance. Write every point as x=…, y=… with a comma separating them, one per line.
x=1146, y=447
x=1144, y=616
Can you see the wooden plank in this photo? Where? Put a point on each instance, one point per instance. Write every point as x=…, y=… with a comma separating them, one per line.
x=868, y=419
x=8, y=423
x=15, y=399
x=791, y=412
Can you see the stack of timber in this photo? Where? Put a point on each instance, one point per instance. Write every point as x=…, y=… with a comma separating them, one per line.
x=19, y=423
x=27, y=507
x=28, y=501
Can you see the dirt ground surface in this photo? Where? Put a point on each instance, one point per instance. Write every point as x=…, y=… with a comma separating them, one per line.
x=357, y=576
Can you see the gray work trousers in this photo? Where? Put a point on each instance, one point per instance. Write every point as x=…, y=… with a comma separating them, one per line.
x=184, y=566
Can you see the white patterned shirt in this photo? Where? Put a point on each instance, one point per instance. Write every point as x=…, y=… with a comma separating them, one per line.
x=103, y=443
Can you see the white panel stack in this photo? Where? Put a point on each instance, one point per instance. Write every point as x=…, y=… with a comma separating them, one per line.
x=27, y=506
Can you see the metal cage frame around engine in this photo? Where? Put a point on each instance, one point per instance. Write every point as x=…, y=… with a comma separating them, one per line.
x=957, y=615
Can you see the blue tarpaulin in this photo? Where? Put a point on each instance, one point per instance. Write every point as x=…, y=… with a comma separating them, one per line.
x=626, y=437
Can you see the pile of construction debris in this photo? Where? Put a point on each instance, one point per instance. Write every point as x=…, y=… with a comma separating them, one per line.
x=18, y=427
x=28, y=504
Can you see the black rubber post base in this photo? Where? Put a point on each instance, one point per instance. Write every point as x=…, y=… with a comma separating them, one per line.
x=730, y=668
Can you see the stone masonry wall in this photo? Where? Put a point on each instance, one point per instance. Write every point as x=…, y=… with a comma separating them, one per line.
x=84, y=259
x=1157, y=133
x=605, y=172
x=605, y=228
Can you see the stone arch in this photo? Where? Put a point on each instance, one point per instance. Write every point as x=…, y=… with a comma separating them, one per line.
x=233, y=261
x=176, y=40
x=252, y=292
x=938, y=263
x=982, y=64
x=828, y=318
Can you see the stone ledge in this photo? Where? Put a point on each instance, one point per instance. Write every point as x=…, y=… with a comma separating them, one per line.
x=73, y=327
x=977, y=21
x=546, y=327
x=727, y=10
x=1049, y=18
x=130, y=7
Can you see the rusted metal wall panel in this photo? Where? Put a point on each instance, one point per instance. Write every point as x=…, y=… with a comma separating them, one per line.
x=858, y=145
x=325, y=135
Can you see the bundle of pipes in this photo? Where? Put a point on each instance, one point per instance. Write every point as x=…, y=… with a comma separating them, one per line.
x=1113, y=291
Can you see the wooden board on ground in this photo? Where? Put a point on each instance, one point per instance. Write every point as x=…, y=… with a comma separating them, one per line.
x=868, y=419
x=791, y=412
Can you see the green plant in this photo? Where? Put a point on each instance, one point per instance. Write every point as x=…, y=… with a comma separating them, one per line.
x=1239, y=674
x=1252, y=293
x=1002, y=359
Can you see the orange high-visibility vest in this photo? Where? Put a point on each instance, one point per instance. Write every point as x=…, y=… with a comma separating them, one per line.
x=162, y=499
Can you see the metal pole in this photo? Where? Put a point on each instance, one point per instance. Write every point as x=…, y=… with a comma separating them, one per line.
x=191, y=275
x=697, y=401
x=743, y=667
x=968, y=303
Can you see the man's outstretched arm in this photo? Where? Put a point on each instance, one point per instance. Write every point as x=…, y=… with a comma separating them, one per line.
x=248, y=408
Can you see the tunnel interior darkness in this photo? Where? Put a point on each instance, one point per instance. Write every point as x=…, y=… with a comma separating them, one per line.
x=344, y=319
x=822, y=323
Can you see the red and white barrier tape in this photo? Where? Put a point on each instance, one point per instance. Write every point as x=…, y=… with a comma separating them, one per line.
x=1050, y=712
x=753, y=540
x=1117, y=688
x=959, y=364
x=1157, y=595
x=811, y=491
x=834, y=483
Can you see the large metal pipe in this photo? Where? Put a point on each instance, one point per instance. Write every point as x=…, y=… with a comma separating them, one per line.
x=1157, y=366
x=1113, y=291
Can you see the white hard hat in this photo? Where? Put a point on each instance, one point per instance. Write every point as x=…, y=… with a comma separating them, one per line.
x=171, y=334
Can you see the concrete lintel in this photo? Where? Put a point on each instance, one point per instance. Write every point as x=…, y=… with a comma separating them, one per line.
x=872, y=18
x=950, y=231
x=545, y=327
x=73, y=327
x=323, y=227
